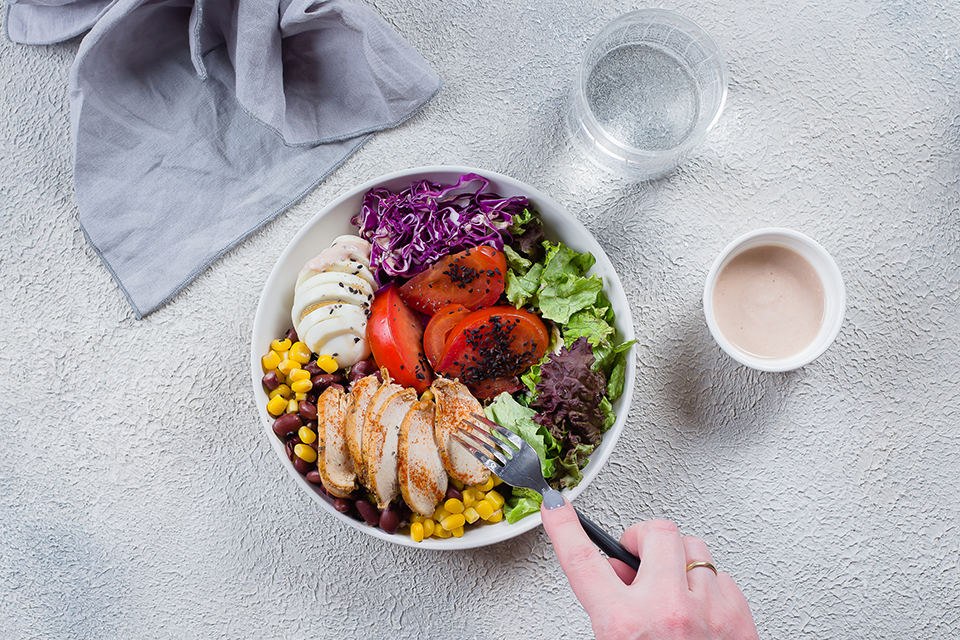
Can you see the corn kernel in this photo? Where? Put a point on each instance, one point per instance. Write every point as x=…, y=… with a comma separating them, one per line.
x=270, y=361
x=299, y=397
x=458, y=532
x=298, y=374
x=327, y=363
x=307, y=435
x=485, y=509
x=440, y=513
x=283, y=391
x=305, y=452
x=429, y=526
x=292, y=406
x=281, y=344
x=416, y=531
x=427, y=396
x=440, y=532
x=453, y=506
x=453, y=521
x=486, y=486
x=496, y=516
x=287, y=366
x=301, y=386
x=300, y=352
x=459, y=485
x=471, y=497
x=470, y=515
x=495, y=499
x=496, y=481
x=277, y=405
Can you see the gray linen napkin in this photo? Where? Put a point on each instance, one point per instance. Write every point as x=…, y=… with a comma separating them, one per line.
x=195, y=123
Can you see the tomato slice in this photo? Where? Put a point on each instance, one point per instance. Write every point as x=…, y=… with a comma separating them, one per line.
x=493, y=343
x=395, y=334
x=472, y=278
x=495, y=386
x=439, y=328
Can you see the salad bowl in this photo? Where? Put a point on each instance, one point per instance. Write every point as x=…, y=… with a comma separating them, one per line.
x=272, y=320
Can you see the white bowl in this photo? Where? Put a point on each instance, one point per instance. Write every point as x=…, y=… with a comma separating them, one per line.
x=273, y=320
x=834, y=303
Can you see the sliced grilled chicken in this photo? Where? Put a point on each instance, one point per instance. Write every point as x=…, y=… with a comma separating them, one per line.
x=454, y=403
x=333, y=458
x=380, y=440
x=380, y=396
x=358, y=400
x=420, y=472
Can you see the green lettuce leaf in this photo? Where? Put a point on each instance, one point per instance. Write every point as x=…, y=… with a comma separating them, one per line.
x=522, y=503
x=564, y=289
x=509, y=413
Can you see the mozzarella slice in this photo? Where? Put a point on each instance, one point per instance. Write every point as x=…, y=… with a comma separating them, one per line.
x=329, y=286
x=323, y=325
x=420, y=472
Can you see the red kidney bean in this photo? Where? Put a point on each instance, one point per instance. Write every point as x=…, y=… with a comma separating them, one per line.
x=308, y=410
x=323, y=380
x=310, y=423
x=287, y=425
x=389, y=520
x=452, y=493
x=369, y=513
x=342, y=505
x=302, y=465
x=292, y=336
x=313, y=368
x=271, y=381
x=314, y=477
x=291, y=443
x=362, y=368
x=323, y=489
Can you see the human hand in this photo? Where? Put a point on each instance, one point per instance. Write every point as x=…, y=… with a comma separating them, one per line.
x=664, y=600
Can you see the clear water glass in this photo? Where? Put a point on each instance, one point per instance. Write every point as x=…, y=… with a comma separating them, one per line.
x=650, y=87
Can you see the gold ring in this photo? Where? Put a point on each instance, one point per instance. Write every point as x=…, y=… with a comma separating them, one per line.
x=702, y=563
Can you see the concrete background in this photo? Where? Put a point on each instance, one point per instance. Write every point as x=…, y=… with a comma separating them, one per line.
x=140, y=498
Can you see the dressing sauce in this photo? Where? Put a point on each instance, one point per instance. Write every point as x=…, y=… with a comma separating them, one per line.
x=768, y=301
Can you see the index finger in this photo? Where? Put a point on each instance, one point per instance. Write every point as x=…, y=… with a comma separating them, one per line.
x=590, y=575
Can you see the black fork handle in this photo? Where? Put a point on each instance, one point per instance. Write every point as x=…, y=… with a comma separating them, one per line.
x=607, y=544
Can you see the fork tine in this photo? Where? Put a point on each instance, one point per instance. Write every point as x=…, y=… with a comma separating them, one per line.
x=479, y=445
x=485, y=460
x=503, y=432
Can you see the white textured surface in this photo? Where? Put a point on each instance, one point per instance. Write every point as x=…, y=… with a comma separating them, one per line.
x=139, y=498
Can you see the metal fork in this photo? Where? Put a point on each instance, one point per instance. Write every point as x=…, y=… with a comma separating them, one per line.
x=519, y=466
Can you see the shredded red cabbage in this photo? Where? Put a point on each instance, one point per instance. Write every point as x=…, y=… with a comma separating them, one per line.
x=412, y=229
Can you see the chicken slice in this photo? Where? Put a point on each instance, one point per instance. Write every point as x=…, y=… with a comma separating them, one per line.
x=358, y=400
x=333, y=458
x=420, y=472
x=454, y=403
x=385, y=390
x=380, y=440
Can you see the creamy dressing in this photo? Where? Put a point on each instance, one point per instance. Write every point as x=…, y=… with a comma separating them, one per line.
x=768, y=301
x=343, y=249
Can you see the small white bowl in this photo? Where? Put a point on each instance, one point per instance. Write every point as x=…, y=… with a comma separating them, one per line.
x=834, y=302
x=273, y=319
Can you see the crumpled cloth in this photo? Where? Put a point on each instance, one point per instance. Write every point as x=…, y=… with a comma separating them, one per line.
x=196, y=122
